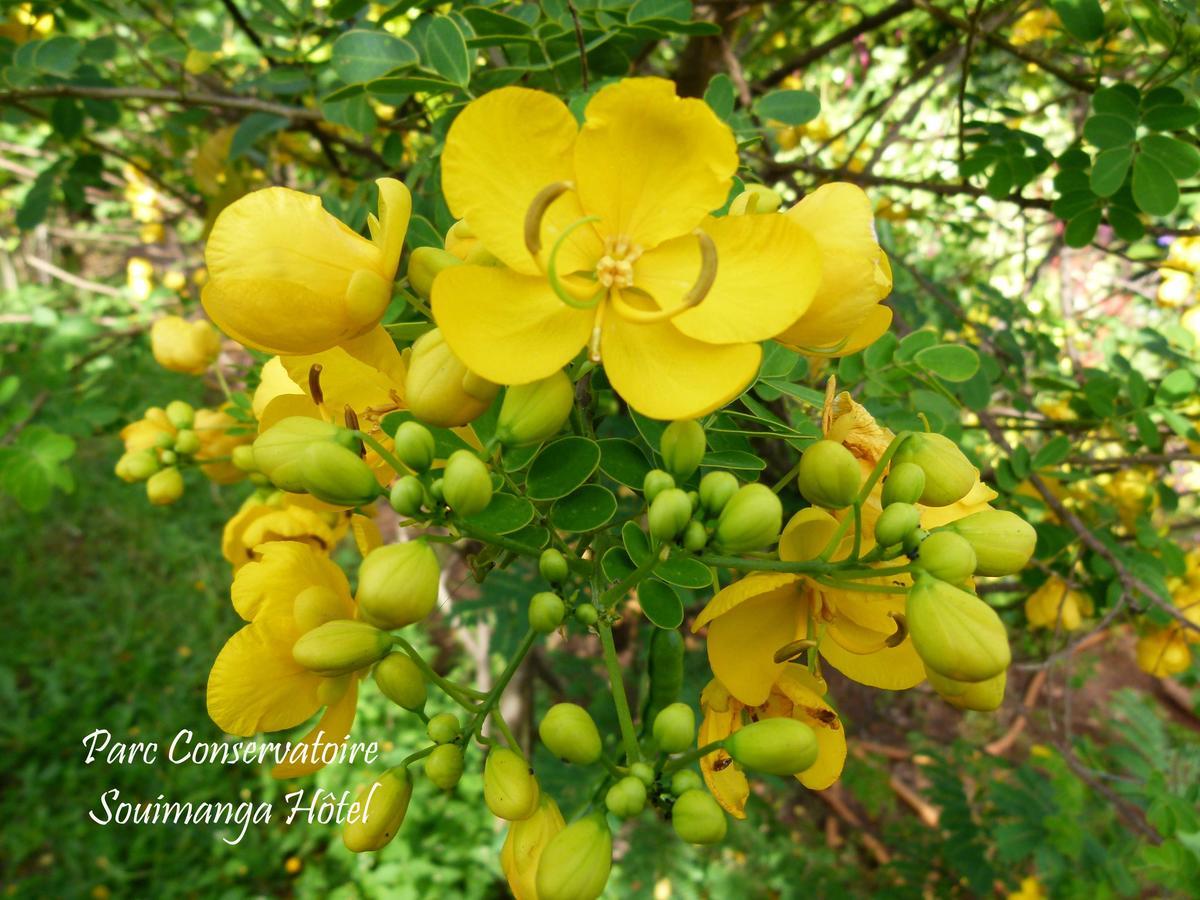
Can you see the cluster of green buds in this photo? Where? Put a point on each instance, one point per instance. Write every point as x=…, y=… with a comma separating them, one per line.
x=463, y=487
x=303, y=455
x=159, y=466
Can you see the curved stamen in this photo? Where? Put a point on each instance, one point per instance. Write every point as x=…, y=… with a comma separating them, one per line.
x=552, y=270
x=821, y=351
x=537, y=211
x=791, y=651
x=694, y=297
x=897, y=637
x=314, y=384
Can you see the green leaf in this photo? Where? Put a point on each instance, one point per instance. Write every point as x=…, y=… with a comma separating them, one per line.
x=623, y=461
x=1118, y=100
x=505, y=514
x=616, y=564
x=660, y=603
x=447, y=51
x=1182, y=160
x=251, y=129
x=646, y=10
x=788, y=107
x=58, y=56
x=1001, y=182
x=912, y=344
x=1108, y=174
x=1082, y=18
x=363, y=55
x=1171, y=118
x=67, y=117
x=561, y=467
x=489, y=23
x=589, y=508
x=33, y=467
x=1069, y=205
x=1082, y=228
x=396, y=88
x=1109, y=131
x=1125, y=223
x=720, y=95
x=952, y=362
x=1175, y=386
x=353, y=112
x=733, y=459
x=1052, y=452
x=684, y=571
x=1154, y=190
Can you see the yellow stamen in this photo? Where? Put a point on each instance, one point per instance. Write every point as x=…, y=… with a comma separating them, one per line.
x=694, y=297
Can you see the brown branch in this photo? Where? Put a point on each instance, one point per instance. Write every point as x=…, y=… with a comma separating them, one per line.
x=162, y=95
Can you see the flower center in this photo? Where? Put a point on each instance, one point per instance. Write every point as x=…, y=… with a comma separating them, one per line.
x=615, y=268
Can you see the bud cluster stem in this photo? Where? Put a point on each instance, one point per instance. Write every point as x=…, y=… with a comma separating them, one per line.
x=617, y=685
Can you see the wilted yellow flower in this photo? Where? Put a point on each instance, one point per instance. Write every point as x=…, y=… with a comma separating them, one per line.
x=1163, y=652
x=183, y=346
x=219, y=433
x=281, y=517
x=139, y=277
x=1055, y=605
x=1031, y=888
x=1034, y=25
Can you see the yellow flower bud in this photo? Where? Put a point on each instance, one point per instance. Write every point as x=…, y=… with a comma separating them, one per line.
x=776, y=746
x=444, y=766
x=1002, y=540
x=385, y=803
x=829, y=475
x=165, y=487
x=466, y=483
x=183, y=346
x=570, y=734
x=137, y=465
x=755, y=199
x=576, y=862
x=287, y=277
x=949, y=475
x=401, y=681
x=443, y=728
x=750, y=520
x=955, y=633
x=981, y=696
x=682, y=446
x=424, y=266
x=242, y=456
x=509, y=788
x=947, y=556
x=279, y=451
x=398, y=584
x=180, y=414
x=187, y=442
x=439, y=389
x=697, y=818
x=534, y=412
x=340, y=647
x=336, y=475
x=523, y=847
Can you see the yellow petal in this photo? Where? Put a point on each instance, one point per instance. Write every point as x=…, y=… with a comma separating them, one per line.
x=806, y=534
x=388, y=230
x=739, y=592
x=274, y=381
x=270, y=585
x=664, y=374
x=346, y=380
x=333, y=728
x=810, y=708
x=728, y=784
x=649, y=163
x=977, y=500
x=742, y=642
x=893, y=669
x=505, y=327
x=501, y=151
x=767, y=272
x=367, y=536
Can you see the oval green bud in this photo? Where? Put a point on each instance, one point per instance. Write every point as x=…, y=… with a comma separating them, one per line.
x=168, y=457
x=466, y=483
x=425, y=264
x=164, y=487
x=439, y=389
x=401, y=681
x=385, y=802
x=697, y=818
x=956, y=634
x=333, y=474
x=686, y=780
x=905, y=483
x=340, y=647
x=553, y=566
x=675, y=728
x=682, y=446
x=913, y=541
x=695, y=536
x=586, y=614
x=570, y=734
x=949, y=475
x=895, y=523
x=180, y=414
x=443, y=728
x=669, y=514
x=407, y=495
x=532, y=413
x=626, y=798
x=137, y=465
x=1003, y=542
x=777, y=746
x=829, y=475
x=716, y=489
x=279, y=450
x=655, y=482
x=576, y=862
x=444, y=766
x=414, y=445
x=242, y=456
x=947, y=556
x=187, y=442
x=398, y=584
x=546, y=611
x=643, y=773
x=435, y=490
x=509, y=788
x=750, y=520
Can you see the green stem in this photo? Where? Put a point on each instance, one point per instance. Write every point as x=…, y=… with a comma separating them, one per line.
x=862, y=588
x=502, y=726
x=783, y=482
x=618, y=590
x=420, y=754
x=692, y=756
x=493, y=696
x=617, y=684
x=463, y=696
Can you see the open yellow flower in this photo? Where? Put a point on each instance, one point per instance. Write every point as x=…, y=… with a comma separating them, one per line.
x=183, y=346
x=797, y=694
x=285, y=276
x=1054, y=604
x=255, y=684
x=279, y=518
x=219, y=434
x=606, y=240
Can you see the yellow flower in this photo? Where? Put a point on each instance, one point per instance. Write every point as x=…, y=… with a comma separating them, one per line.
x=183, y=346
x=285, y=276
x=797, y=694
x=1054, y=603
x=523, y=847
x=606, y=242
x=280, y=518
x=1031, y=889
x=219, y=433
x=1163, y=652
x=147, y=432
x=255, y=684
x=139, y=277
x=1176, y=288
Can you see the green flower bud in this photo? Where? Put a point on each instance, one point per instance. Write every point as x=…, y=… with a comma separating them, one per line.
x=947, y=556
x=439, y=389
x=686, y=780
x=905, y=483
x=532, y=413
x=955, y=633
x=401, y=681
x=675, y=728
x=716, y=489
x=750, y=520
x=187, y=442
x=1003, y=542
x=655, y=482
x=643, y=773
x=180, y=414
x=913, y=541
x=697, y=818
x=242, y=456
x=553, y=566
x=339, y=476
x=895, y=523
x=981, y=696
x=949, y=475
x=586, y=614
x=466, y=483
x=340, y=647
x=682, y=447
x=435, y=490
x=669, y=514
x=407, y=495
x=386, y=802
x=414, y=445
x=829, y=475
x=279, y=451
x=626, y=798
x=777, y=746
x=137, y=465
x=398, y=584
x=164, y=487
x=444, y=766
x=509, y=788
x=575, y=864
x=424, y=265
x=695, y=536
x=163, y=442
x=546, y=611
x=168, y=457
x=443, y=728
x=570, y=734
